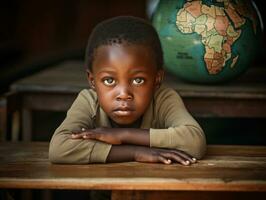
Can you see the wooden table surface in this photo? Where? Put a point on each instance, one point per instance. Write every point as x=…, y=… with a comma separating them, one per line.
x=225, y=168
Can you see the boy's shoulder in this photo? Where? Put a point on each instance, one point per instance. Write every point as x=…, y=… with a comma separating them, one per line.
x=165, y=92
x=87, y=98
x=165, y=97
x=88, y=94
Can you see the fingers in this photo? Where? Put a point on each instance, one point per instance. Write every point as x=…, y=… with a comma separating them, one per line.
x=180, y=157
x=177, y=158
x=77, y=135
x=169, y=157
x=89, y=136
x=186, y=156
x=83, y=135
x=164, y=160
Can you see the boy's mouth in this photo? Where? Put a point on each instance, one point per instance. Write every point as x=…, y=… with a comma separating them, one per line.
x=123, y=111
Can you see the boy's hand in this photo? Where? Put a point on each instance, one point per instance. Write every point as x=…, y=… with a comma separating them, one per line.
x=166, y=156
x=110, y=137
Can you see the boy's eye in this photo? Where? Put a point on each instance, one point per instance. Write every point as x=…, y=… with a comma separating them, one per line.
x=109, y=81
x=138, y=81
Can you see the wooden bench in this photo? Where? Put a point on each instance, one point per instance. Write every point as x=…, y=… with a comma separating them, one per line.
x=226, y=172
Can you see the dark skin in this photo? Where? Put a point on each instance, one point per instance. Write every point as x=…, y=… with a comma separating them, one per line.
x=125, y=78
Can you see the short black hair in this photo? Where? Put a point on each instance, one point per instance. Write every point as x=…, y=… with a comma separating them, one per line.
x=129, y=29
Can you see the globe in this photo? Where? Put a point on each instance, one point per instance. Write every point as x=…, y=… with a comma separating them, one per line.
x=208, y=41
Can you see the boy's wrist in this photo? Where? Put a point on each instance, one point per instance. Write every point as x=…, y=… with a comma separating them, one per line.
x=122, y=153
x=125, y=136
x=137, y=137
x=137, y=153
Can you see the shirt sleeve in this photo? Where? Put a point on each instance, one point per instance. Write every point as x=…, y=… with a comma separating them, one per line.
x=180, y=130
x=63, y=149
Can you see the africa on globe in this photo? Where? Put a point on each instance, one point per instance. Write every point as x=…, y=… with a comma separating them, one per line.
x=208, y=41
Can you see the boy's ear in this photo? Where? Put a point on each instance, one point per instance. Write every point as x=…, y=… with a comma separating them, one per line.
x=90, y=79
x=159, y=78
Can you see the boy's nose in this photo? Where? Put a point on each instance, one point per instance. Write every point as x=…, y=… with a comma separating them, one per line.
x=124, y=94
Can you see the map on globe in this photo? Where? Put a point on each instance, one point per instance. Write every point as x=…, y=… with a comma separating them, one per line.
x=218, y=26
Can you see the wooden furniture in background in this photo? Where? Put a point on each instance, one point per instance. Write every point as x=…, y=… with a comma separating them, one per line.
x=56, y=88
x=9, y=115
x=226, y=171
x=3, y=121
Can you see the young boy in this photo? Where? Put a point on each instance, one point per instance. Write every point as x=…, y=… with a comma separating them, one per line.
x=127, y=115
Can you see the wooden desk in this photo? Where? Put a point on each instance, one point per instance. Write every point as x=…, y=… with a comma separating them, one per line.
x=226, y=170
x=56, y=88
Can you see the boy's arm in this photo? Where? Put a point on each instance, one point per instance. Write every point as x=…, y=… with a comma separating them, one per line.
x=63, y=149
x=189, y=139
x=116, y=135
x=180, y=130
x=122, y=153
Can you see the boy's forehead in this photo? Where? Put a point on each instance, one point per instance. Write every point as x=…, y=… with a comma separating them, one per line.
x=124, y=47
x=139, y=55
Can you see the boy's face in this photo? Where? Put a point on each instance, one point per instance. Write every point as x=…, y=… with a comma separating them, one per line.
x=125, y=78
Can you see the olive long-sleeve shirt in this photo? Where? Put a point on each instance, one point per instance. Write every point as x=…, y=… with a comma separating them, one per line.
x=169, y=123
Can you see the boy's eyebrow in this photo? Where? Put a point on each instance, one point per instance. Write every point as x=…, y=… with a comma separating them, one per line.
x=135, y=71
x=106, y=71
x=132, y=71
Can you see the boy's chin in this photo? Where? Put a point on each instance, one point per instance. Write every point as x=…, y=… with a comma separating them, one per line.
x=124, y=122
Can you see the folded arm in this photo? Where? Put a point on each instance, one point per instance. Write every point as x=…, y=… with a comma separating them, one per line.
x=116, y=135
x=130, y=144
x=174, y=128
x=177, y=138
